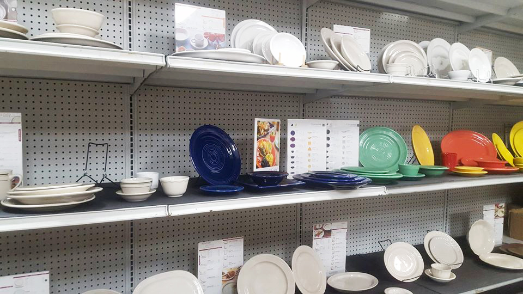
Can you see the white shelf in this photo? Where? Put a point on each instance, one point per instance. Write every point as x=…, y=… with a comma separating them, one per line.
x=30, y=59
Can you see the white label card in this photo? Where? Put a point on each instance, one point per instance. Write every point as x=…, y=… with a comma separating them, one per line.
x=31, y=283
x=342, y=143
x=494, y=214
x=306, y=145
x=361, y=35
x=330, y=242
x=11, y=142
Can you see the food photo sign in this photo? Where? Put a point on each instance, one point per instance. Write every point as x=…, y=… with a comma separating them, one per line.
x=266, y=144
x=199, y=28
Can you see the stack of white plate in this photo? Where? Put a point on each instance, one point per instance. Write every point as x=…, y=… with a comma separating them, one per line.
x=346, y=50
x=506, y=72
x=443, y=249
x=404, y=52
x=77, y=27
x=12, y=30
x=50, y=197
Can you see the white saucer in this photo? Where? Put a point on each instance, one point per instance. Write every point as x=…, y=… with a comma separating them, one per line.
x=397, y=290
x=73, y=39
x=352, y=281
x=428, y=272
x=136, y=197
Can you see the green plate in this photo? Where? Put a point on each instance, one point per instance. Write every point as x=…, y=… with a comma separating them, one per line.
x=384, y=179
x=366, y=170
x=413, y=178
x=382, y=148
x=367, y=174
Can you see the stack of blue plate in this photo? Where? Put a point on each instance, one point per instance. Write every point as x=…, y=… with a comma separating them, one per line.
x=336, y=180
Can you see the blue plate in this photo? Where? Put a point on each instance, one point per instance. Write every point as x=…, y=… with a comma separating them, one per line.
x=268, y=178
x=332, y=175
x=337, y=185
x=332, y=181
x=221, y=189
x=286, y=183
x=214, y=155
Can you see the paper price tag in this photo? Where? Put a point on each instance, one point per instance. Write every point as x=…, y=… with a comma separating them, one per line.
x=330, y=243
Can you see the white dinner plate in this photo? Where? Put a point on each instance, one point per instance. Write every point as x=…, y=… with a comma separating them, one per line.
x=266, y=50
x=56, y=191
x=352, y=282
x=326, y=41
x=504, y=68
x=480, y=65
x=8, y=202
x=401, y=46
x=46, y=187
x=73, y=39
x=507, y=81
x=481, y=237
x=266, y=273
x=459, y=56
x=235, y=50
x=245, y=36
x=404, y=262
x=419, y=67
x=381, y=66
x=308, y=271
x=257, y=44
x=13, y=26
x=335, y=42
x=503, y=261
x=428, y=272
x=438, y=58
x=442, y=248
x=352, y=52
x=222, y=55
x=12, y=34
x=56, y=198
x=237, y=28
x=288, y=50
x=183, y=282
x=397, y=290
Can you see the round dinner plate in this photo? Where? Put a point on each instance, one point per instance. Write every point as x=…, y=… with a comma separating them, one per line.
x=396, y=290
x=164, y=283
x=352, y=52
x=481, y=237
x=257, y=43
x=418, y=65
x=74, y=39
x=51, y=192
x=438, y=57
x=480, y=65
x=247, y=33
x=503, y=261
x=518, y=142
x=237, y=28
x=221, y=189
x=8, y=202
x=468, y=144
x=504, y=68
x=404, y=262
x=214, y=155
x=47, y=187
x=459, y=56
x=288, y=50
x=308, y=271
x=442, y=248
x=13, y=26
x=422, y=146
x=223, y=55
x=516, y=128
x=501, y=170
x=326, y=41
x=12, y=34
x=382, y=148
x=64, y=197
x=400, y=46
x=366, y=170
x=352, y=282
x=470, y=174
x=266, y=273
x=335, y=43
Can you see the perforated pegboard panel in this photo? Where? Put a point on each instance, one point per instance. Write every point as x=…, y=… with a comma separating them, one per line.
x=59, y=119
x=400, y=115
x=169, y=244
x=78, y=258
x=465, y=206
x=487, y=119
x=37, y=17
x=167, y=117
x=154, y=24
x=500, y=44
x=385, y=27
x=403, y=218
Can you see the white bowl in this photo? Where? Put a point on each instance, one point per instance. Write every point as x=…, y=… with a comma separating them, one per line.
x=136, y=185
x=459, y=75
x=174, y=186
x=78, y=30
x=136, y=197
x=136, y=180
x=323, y=64
x=81, y=17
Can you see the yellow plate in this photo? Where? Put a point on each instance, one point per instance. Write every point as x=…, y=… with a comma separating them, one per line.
x=471, y=174
x=518, y=142
x=516, y=128
x=502, y=149
x=422, y=146
x=468, y=169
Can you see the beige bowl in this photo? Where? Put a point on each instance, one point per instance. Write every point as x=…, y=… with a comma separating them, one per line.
x=174, y=186
x=81, y=17
x=77, y=30
x=136, y=185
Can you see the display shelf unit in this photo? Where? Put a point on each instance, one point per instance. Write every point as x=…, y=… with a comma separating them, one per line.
x=30, y=59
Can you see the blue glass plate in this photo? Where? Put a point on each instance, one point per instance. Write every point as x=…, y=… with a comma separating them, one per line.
x=214, y=155
x=332, y=181
x=332, y=175
x=221, y=189
x=337, y=185
x=286, y=183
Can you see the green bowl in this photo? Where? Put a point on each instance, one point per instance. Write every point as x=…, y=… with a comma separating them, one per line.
x=433, y=170
x=409, y=169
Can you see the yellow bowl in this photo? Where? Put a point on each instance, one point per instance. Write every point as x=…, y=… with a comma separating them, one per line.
x=468, y=169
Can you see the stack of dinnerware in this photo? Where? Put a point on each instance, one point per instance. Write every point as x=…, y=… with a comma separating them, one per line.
x=410, y=172
x=516, y=139
x=402, y=58
x=469, y=171
x=378, y=176
x=346, y=50
x=77, y=27
x=136, y=189
x=469, y=145
x=50, y=197
x=443, y=249
x=440, y=273
x=495, y=166
x=403, y=262
x=459, y=56
x=337, y=180
x=506, y=72
x=164, y=283
x=12, y=30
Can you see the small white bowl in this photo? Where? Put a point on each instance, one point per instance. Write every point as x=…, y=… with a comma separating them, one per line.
x=81, y=17
x=324, y=64
x=459, y=75
x=136, y=185
x=78, y=30
x=174, y=186
x=136, y=180
x=136, y=197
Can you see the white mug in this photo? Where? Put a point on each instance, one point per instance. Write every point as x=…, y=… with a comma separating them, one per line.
x=7, y=183
x=198, y=40
x=151, y=175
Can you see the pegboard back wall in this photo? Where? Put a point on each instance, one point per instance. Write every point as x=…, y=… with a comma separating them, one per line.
x=167, y=117
x=60, y=118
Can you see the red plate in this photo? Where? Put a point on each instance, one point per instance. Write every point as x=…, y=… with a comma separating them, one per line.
x=490, y=163
x=468, y=145
x=501, y=171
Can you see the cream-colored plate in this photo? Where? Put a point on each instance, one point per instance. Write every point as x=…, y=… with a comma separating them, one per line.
x=8, y=202
x=45, y=187
x=13, y=26
x=264, y=274
x=179, y=282
x=481, y=237
x=352, y=282
x=442, y=248
x=503, y=261
x=308, y=271
x=56, y=198
x=428, y=272
x=56, y=191
x=404, y=262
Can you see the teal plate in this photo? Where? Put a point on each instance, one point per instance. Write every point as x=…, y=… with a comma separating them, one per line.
x=382, y=148
x=413, y=178
x=384, y=179
x=366, y=170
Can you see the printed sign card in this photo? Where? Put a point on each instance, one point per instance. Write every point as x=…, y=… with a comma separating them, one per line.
x=266, y=144
x=30, y=283
x=199, y=28
x=361, y=35
x=306, y=145
x=11, y=156
x=330, y=242
x=495, y=215
x=342, y=143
